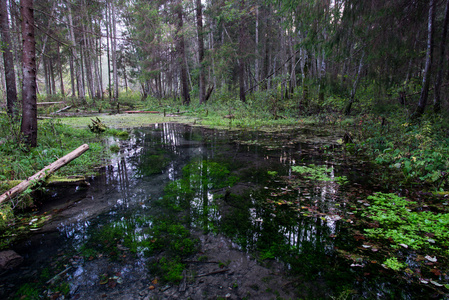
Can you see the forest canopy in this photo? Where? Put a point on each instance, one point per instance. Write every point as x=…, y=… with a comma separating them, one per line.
x=389, y=51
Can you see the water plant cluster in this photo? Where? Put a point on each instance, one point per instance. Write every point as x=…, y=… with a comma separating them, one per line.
x=407, y=224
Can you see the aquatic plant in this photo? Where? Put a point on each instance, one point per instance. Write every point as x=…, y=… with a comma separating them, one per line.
x=400, y=221
x=321, y=173
x=394, y=264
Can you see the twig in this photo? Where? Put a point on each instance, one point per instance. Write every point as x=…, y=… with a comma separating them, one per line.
x=57, y=275
x=212, y=273
x=199, y=262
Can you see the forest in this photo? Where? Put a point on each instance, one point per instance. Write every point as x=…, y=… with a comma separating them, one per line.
x=374, y=73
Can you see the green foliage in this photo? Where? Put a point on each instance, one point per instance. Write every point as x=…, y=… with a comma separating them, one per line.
x=54, y=141
x=171, y=270
x=114, y=148
x=6, y=215
x=398, y=220
x=321, y=173
x=394, y=264
x=28, y=291
x=416, y=153
x=118, y=133
x=97, y=126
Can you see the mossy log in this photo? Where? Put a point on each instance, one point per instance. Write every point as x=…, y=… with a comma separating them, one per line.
x=66, y=181
x=45, y=172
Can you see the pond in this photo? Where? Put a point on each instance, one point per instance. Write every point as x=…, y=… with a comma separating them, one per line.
x=192, y=213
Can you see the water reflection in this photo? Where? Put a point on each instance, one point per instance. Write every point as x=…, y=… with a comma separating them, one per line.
x=222, y=185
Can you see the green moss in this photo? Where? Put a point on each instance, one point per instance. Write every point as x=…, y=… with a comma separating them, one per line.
x=114, y=148
x=126, y=120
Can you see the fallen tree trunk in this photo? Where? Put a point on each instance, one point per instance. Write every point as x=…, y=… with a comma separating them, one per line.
x=62, y=109
x=49, y=103
x=44, y=173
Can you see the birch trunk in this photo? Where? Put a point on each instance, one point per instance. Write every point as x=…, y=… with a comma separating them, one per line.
x=428, y=67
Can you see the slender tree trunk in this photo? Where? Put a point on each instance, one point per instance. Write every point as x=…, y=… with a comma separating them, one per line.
x=354, y=86
x=16, y=25
x=60, y=71
x=76, y=58
x=437, y=96
x=241, y=53
x=10, y=76
x=108, y=51
x=256, y=60
x=29, y=99
x=72, y=76
x=114, y=52
x=47, y=81
x=52, y=77
x=181, y=53
x=199, y=26
x=429, y=57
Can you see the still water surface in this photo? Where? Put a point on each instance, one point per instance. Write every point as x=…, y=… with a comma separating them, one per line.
x=254, y=206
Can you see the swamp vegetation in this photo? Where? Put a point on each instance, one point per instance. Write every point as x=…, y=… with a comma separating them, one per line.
x=332, y=208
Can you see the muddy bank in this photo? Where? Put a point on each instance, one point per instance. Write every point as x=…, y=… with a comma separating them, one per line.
x=226, y=273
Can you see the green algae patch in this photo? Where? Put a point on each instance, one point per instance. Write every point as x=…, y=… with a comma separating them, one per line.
x=127, y=120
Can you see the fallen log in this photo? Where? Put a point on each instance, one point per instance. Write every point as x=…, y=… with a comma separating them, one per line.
x=49, y=103
x=62, y=109
x=141, y=112
x=44, y=173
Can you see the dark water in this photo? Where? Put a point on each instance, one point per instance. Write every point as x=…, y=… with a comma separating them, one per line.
x=260, y=207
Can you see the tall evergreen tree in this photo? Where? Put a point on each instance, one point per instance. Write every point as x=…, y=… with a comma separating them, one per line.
x=29, y=99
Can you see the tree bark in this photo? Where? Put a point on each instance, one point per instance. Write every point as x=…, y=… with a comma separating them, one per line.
x=10, y=77
x=181, y=54
x=29, y=99
x=114, y=51
x=241, y=53
x=354, y=86
x=199, y=26
x=428, y=67
x=437, y=95
x=44, y=172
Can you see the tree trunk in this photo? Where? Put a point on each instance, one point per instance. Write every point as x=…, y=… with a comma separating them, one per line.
x=76, y=62
x=60, y=72
x=181, y=55
x=10, y=77
x=114, y=52
x=427, y=69
x=241, y=53
x=29, y=107
x=256, y=60
x=354, y=86
x=199, y=26
x=45, y=172
x=437, y=97
x=108, y=51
